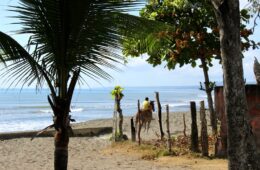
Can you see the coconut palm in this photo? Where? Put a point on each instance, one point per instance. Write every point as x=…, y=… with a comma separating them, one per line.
x=68, y=39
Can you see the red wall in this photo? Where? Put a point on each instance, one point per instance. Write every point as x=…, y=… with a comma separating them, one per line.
x=253, y=101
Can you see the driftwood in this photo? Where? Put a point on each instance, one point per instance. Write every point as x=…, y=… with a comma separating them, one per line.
x=204, y=131
x=194, y=128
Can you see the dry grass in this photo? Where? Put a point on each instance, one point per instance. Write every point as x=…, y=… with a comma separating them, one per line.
x=156, y=151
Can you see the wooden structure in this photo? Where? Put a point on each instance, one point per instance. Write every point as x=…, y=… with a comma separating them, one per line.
x=168, y=129
x=184, y=125
x=77, y=132
x=253, y=101
x=204, y=130
x=159, y=109
x=133, y=130
x=194, y=128
x=139, y=130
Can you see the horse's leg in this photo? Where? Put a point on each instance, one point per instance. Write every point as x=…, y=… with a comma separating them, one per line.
x=144, y=125
x=149, y=120
x=148, y=125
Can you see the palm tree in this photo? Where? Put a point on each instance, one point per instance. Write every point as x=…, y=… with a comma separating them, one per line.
x=68, y=38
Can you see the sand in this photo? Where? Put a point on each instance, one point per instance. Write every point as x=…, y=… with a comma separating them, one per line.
x=87, y=153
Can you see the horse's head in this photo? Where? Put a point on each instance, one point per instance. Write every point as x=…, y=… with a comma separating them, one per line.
x=152, y=105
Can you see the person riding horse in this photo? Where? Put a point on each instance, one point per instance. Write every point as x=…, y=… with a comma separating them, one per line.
x=145, y=115
x=146, y=104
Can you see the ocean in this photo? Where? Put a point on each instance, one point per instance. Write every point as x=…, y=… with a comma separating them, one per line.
x=27, y=109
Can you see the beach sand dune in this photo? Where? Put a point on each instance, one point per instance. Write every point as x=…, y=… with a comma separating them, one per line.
x=84, y=154
x=90, y=153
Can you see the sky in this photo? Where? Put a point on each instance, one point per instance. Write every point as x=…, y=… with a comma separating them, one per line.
x=137, y=72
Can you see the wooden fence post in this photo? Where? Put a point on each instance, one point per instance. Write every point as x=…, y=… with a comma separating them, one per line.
x=132, y=130
x=194, y=128
x=138, y=105
x=159, y=109
x=204, y=131
x=139, y=123
x=168, y=129
x=184, y=125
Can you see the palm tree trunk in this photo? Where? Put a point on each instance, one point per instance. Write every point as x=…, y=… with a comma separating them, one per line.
x=61, y=142
x=213, y=118
x=61, y=138
x=61, y=150
x=241, y=144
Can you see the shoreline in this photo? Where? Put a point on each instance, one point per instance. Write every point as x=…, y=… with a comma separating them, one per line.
x=96, y=152
x=101, y=126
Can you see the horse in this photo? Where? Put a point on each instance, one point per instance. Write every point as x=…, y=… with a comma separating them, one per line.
x=144, y=117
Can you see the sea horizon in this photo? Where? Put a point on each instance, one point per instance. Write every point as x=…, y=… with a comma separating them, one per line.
x=22, y=110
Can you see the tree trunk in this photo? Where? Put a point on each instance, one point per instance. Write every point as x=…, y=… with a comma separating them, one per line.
x=114, y=126
x=61, y=138
x=241, y=144
x=159, y=108
x=61, y=149
x=213, y=117
x=194, y=128
x=61, y=108
x=121, y=118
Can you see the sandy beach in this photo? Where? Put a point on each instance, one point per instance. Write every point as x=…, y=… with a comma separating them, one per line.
x=87, y=153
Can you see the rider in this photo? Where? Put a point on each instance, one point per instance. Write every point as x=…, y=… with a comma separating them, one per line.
x=146, y=104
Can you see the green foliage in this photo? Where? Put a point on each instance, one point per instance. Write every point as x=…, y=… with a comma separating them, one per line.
x=117, y=92
x=194, y=34
x=118, y=137
x=65, y=36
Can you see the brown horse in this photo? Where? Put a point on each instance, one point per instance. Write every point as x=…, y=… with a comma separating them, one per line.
x=144, y=117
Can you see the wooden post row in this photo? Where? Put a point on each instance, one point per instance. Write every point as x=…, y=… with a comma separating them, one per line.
x=133, y=130
x=168, y=129
x=184, y=126
x=194, y=128
x=204, y=131
x=159, y=109
x=139, y=125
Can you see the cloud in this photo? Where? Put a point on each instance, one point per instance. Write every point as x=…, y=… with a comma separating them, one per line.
x=243, y=3
x=138, y=72
x=137, y=61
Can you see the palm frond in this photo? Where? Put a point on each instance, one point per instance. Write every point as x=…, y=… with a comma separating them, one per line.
x=21, y=66
x=68, y=34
